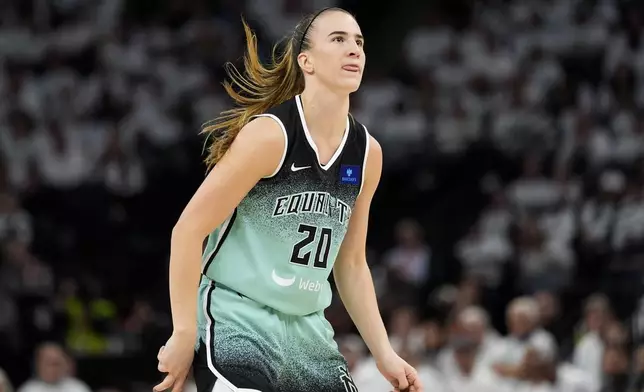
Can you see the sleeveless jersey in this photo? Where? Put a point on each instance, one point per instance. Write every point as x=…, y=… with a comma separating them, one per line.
x=279, y=245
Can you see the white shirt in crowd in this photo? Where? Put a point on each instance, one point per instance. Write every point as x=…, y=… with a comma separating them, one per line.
x=588, y=354
x=66, y=385
x=412, y=264
x=481, y=379
x=367, y=377
x=62, y=169
x=511, y=350
x=573, y=379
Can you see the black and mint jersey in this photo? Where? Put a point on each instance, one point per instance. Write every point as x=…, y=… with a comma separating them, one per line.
x=279, y=245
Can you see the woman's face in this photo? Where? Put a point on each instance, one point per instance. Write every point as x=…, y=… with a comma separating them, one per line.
x=336, y=56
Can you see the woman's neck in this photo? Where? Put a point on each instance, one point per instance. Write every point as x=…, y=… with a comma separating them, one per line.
x=325, y=112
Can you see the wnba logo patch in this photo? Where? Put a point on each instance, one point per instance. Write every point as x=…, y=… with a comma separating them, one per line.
x=350, y=174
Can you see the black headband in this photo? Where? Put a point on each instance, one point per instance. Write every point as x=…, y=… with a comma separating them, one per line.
x=308, y=26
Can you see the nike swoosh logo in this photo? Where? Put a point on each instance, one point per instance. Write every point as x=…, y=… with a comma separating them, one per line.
x=295, y=168
x=284, y=282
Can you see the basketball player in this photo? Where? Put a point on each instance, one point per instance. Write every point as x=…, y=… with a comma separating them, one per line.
x=287, y=201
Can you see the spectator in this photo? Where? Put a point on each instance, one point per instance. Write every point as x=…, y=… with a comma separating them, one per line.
x=409, y=262
x=61, y=158
x=598, y=215
x=551, y=316
x=123, y=172
x=523, y=321
x=465, y=362
x=403, y=333
x=589, y=350
x=53, y=372
x=615, y=365
x=362, y=368
x=101, y=106
x=533, y=191
x=543, y=265
x=484, y=254
x=142, y=328
x=536, y=371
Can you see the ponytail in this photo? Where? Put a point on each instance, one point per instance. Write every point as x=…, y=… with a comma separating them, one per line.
x=255, y=91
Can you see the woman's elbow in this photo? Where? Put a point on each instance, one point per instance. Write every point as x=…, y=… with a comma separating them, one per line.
x=186, y=228
x=351, y=260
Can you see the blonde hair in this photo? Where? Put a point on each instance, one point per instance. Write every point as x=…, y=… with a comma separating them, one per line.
x=260, y=87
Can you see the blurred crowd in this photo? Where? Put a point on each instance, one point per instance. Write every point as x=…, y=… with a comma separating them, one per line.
x=513, y=136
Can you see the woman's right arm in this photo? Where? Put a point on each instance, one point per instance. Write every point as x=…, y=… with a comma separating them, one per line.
x=256, y=153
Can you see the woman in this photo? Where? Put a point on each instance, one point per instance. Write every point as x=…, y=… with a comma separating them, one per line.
x=287, y=201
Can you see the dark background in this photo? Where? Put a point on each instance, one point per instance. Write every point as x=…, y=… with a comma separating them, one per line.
x=99, y=117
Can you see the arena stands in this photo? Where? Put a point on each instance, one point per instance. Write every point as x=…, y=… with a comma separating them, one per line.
x=506, y=238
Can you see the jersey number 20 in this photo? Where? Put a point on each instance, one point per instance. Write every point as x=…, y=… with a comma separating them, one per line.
x=321, y=250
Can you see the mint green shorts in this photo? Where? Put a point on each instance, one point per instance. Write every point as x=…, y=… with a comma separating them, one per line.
x=244, y=345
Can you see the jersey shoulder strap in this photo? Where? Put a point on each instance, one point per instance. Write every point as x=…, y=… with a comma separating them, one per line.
x=287, y=117
x=357, y=148
x=359, y=135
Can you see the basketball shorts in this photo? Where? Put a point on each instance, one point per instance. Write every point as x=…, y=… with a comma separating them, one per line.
x=246, y=346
